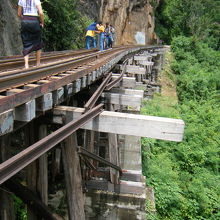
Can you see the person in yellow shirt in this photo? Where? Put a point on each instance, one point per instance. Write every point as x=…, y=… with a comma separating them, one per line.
x=101, y=29
x=90, y=39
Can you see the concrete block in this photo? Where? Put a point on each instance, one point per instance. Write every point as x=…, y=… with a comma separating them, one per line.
x=83, y=82
x=68, y=89
x=45, y=102
x=76, y=85
x=6, y=122
x=130, y=187
x=58, y=96
x=26, y=112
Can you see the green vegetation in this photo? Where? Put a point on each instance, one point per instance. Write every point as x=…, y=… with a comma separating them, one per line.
x=64, y=25
x=186, y=175
x=20, y=209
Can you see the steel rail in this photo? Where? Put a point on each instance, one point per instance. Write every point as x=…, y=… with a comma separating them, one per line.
x=104, y=86
x=87, y=153
x=16, y=163
x=112, y=83
x=8, y=80
x=91, y=102
x=10, y=64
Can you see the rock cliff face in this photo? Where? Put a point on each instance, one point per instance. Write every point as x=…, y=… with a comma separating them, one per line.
x=132, y=19
x=10, y=41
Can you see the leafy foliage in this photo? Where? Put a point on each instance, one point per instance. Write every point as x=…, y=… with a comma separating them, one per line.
x=20, y=209
x=64, y=25
x=185, y=175
x=198, y=18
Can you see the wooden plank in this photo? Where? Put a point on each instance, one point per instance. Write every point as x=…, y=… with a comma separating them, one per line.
x=146, y=63
x=143, y=58
x=135, y=69
x=121, y=99
x=127, y=124
x=127, y=82
x=128, y=91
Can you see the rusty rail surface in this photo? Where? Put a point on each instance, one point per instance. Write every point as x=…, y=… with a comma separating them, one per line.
x=97, y=93
x=16, y=163
x=112, y=83
x=88, y=154
x=16, y=62
x=11, y=101
x=12, y=79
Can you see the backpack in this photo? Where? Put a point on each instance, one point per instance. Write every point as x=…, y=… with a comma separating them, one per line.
x=91, y=27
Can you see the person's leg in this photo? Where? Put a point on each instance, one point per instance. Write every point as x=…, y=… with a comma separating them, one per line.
x=26, y=64
x=110, y=42
x=94, y=42
x=107, y=42
x=87, y=42
x=102, y=42
x=38, y=55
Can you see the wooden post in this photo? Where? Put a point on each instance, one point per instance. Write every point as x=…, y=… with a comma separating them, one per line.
x=73, y=178
x=43, y=169
x=113, y=154
x=32, y=168
x=6, y=202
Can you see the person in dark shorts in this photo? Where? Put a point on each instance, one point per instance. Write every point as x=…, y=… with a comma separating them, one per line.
x=32, y=20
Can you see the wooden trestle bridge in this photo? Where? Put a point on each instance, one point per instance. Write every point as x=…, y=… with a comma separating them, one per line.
x=74, y=121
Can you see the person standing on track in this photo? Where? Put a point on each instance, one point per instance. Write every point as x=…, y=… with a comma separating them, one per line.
x=101, y=29
x=32, y=20
x=90, y=36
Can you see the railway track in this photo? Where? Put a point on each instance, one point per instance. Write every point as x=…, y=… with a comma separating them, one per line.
x=15, y=62
x=16, y=163
x=54, y=75
x=11, y=79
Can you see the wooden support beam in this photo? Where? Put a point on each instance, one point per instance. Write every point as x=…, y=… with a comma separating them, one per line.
x=127, y=91
x=6, y=200
x=143, y=58
x=146, y=63
x=121, y=99
x=127, y=124
x=42, y=184
x=135, y=69
x=113, y=153
x=127, y=82
x=73, y=178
